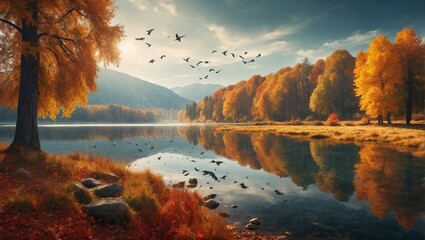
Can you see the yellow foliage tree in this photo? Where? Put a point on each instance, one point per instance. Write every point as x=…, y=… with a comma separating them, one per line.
x=411, y=51
x=378, y=79
x=50, y=50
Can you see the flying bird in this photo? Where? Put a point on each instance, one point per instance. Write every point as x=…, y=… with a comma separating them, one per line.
x=186, y=59
x=211, y=70
x=241, y=57
x=149, y=31
x=278, y=192
x=149, y=45
x=218, y=71
x=233, y=55
x=251, y=61
x=206, y=62
x=224, y=53
x=163, y=56
x=179, y=38
x=152, y=61
x=199, y=62
x=213, y=51
x=259, y=55
x=192, y=66
x=206, y=77
x=245, y=53
x=140, y=38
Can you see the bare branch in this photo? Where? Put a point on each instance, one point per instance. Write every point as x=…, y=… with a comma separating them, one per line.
x=11, y=24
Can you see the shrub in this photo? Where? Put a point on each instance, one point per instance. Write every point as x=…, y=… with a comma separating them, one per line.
x=19, y=203
x=364, y=121
x=333, y=120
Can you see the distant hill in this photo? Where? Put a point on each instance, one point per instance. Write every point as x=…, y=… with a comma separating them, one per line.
x=197, y=91
x=119, y=88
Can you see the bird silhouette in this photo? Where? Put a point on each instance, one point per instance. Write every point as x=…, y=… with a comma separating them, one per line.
x=206, y=62
x=224, y=53
x=179, y=38
x=206, y=77
x=152, y=61
x=233, y=55
x=163, y=56
x=214, y=51
x=259, y=55
x=241, y=57
x=192, y=66
x=278, y=192
x=149, y=31
x=250, y=61
x=211, y=70
x=186, y=59
x=205, y=172
x=245, y=53
x=199, y=62
x=218, y=71
x=140, y=38
x=200, y=78
x=149, y=45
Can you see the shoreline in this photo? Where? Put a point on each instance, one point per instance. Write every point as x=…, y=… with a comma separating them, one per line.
x=400, y=137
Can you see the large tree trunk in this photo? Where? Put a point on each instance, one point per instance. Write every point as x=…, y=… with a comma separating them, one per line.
x=26, y=133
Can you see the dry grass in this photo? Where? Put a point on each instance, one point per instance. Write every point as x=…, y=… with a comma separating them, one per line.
x=398, y=136
x=43, y=207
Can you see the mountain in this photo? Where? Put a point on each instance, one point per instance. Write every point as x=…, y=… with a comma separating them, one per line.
x=118, y=88
x=197, y=91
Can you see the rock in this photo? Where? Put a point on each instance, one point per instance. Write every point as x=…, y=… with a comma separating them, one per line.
x=81, y=194
x=251, y=226
x=211, y=204
x=223, y=214
x=193, y=182
x=178, y=185
x=2, y=168
x=211, y=196
x=109, y=210
x=22, y=173
x=109, y=190
x=255, y=221
x=234, y=206
x=108, y=177
x=90, y=182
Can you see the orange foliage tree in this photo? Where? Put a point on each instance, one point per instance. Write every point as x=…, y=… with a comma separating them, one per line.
x=50, y=50
x=378, y=79
x=411, y=51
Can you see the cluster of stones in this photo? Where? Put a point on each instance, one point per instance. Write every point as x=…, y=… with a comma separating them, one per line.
x=108, y=206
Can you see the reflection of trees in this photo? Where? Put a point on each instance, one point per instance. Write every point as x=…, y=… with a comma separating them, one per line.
x=108, y=133
x=389, y=180
x=336, y=167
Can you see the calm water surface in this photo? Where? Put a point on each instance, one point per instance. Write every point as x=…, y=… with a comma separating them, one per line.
x=337, y=191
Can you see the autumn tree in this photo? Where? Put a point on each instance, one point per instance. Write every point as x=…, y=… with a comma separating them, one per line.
x=411, y=51
x=49, y=54
x=334, y=91
x=378, y=79
x=318, y=68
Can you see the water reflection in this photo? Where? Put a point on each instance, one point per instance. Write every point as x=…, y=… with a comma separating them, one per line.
x=330, y=190
x=386, y=179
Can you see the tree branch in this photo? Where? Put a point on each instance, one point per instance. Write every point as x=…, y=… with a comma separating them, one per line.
x=11, y=24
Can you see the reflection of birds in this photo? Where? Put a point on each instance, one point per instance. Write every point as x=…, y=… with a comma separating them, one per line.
x=152, y=61
x=149, y=45
x=179, y=38
x=196, y=169
x=140, y=38
x=140, y=150
x=186, y=59
x=152, y=147
x=149, y=31
x=163, y=56
x=205, y=172
x=278, y=192
x=259, y=55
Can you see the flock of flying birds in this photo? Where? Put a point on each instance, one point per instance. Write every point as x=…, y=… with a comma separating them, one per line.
x=226, y=53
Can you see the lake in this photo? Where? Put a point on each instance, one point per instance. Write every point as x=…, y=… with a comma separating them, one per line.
x=336, y=191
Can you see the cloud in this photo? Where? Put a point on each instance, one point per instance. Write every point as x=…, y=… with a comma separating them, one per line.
x=354, y=40
x=301, y=54
x=169, y=7
x=285, y=30
x=226, y=40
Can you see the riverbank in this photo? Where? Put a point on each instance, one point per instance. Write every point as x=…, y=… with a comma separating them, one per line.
x=398, y=136
x=38, y=201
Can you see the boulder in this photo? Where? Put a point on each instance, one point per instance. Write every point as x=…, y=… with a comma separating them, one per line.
x=22, y=173
x=108, y=177
x=108, y=190
x=109, y=210
x=255, y=221
x=178, y=185
x=234, y=206
x=81, y=194
x=223, y=214
x=211, y=204
x=251, y=226
x=90, y=182
x=211, y=196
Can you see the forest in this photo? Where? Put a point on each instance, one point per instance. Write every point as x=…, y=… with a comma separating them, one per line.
x=111, y=113
x=386, y=81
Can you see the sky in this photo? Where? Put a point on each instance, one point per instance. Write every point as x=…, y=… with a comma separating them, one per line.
x=284, y=32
